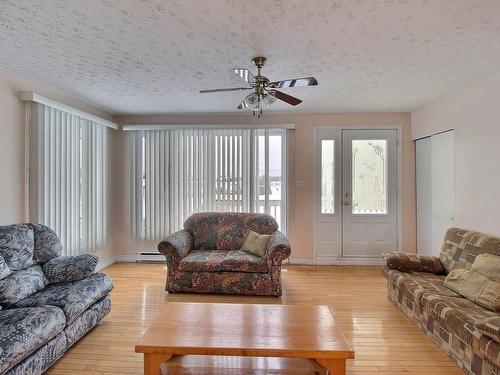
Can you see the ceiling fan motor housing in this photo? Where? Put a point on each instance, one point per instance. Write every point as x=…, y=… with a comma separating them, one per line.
x=259, y=61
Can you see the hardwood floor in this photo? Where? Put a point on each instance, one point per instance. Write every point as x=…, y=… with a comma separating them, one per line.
x=384, y=340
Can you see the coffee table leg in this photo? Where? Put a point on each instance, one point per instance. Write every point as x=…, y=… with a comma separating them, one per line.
x=153, y=361
x=334, y=366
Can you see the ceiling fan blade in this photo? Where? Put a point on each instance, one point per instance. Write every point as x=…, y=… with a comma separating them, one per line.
x=223, y=90
x=285, y=97
x=297, y=82
x=245, y=75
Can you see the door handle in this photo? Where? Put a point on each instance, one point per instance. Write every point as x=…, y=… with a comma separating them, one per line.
x=347, y=202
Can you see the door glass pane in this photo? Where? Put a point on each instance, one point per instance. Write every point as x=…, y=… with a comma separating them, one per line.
x=272, y=188
x=369, y=176
x=327, y=176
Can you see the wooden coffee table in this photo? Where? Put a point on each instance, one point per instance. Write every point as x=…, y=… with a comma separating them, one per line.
x=294, y=331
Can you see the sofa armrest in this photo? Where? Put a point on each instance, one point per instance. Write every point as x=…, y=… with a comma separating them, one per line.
x=65, y=269
x=278, y=249
x=175, y=247
x=408, y=262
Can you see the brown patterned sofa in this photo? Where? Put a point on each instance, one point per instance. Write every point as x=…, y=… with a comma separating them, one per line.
x=441, y=313
x=204, y=257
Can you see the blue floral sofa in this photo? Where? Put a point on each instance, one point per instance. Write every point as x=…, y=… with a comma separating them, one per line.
x=47, y=301
x=204, y=257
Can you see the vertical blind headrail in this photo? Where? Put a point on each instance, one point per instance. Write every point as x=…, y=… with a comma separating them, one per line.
x=30, y=96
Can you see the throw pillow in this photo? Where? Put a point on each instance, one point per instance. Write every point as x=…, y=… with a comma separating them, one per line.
x=256, y=243
x=488, y=265
x=475, y=287
x=489, y=327
x=408, y=262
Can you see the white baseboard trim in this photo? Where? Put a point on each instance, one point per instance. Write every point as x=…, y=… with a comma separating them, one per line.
x=114, y=259
x=102, y=264
x=130, y=258
x=307, y=261
x=349, y=261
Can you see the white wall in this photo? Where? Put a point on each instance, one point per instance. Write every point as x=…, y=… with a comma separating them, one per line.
x=12, y=185
x=300, y=227
x=474, y=113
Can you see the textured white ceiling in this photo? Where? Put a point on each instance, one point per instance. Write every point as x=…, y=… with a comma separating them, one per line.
x=152, y=56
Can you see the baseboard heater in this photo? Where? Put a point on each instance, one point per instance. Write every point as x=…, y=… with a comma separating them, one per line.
x=150, y=257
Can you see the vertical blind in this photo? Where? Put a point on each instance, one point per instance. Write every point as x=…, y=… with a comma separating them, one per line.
x=67, y=176
x=182, y=171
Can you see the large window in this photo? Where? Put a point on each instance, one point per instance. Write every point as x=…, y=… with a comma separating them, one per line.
x=67, y=176
x=179, y=172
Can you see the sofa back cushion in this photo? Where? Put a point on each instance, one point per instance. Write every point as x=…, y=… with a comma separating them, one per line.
x=21, y=284
x=226, y=231
x=17, y=244
x=23, y=248
x=47, y=243
x=461, y=247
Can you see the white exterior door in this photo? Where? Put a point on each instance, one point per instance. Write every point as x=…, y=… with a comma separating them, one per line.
x=369, y=192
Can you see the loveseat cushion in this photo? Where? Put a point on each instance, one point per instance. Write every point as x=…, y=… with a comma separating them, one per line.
x=73, y=298
x=21, y=284
x=203, y=260
x=25, y=330
x=242, y=261
x=222, y=261
x=226, y=231
x=17, y=245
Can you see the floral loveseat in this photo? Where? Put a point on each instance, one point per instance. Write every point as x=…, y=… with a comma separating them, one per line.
x=449, y=319
x=204, y=257
x=47, y=301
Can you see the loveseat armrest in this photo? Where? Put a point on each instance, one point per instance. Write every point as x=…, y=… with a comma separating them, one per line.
x=66, y=269
x=408, y=262
x=175, y=247
x=278, y=249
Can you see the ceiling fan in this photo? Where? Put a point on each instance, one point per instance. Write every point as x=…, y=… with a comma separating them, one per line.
x=264, y=91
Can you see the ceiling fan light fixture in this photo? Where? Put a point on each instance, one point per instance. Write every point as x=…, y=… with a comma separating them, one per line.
x=252, y=100
x=268, y=99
